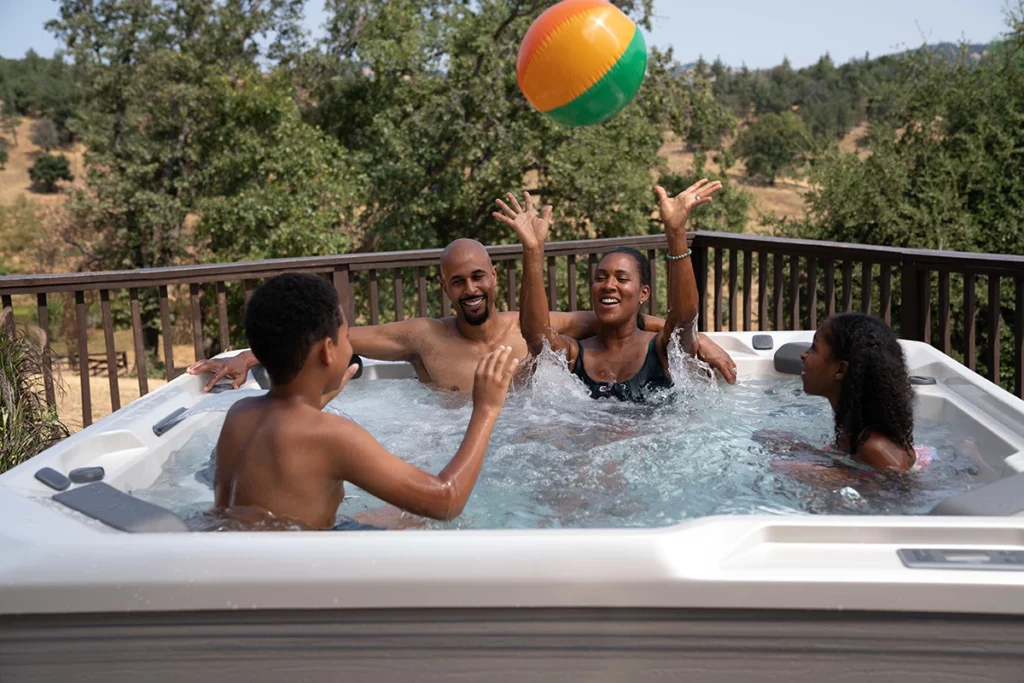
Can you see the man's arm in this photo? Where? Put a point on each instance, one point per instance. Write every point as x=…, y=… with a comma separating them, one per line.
x=362, y=460
x=392, y=341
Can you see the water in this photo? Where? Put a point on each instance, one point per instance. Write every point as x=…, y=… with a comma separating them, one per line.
x=560, y=459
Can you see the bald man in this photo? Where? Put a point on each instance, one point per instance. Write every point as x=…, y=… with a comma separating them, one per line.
x=445, y=351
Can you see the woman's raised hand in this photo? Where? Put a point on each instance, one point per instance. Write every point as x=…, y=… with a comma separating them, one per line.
x=675, y=210
x=532, y=227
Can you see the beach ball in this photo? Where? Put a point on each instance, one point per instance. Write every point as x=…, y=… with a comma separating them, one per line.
x=581, y=62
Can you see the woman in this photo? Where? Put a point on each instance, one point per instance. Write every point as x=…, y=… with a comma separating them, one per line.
x=623, y=360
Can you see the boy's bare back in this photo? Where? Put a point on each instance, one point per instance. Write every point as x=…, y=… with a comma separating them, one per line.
x=278, y=457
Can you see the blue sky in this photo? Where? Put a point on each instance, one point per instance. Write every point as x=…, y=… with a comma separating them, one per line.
x=754, y=32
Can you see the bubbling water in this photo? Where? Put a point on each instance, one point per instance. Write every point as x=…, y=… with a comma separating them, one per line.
x=558, y=458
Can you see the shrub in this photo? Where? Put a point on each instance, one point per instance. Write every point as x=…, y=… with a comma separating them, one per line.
x=28, y=424
x=48, y=169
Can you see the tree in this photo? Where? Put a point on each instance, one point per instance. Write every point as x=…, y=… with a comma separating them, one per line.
x=4, y=156
x=9, y=119
x=772, y=145
x=945, y=170
x=423, y=95
x=273, y=185
x=48, y=169
x=148, y=70
x=44, y=134
x=37, y=86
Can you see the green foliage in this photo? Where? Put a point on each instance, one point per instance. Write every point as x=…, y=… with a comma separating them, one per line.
x=273, y=185
x=48, y=169
x=37, y=86
x=4, y=156
x=829, y=99
x=9, y=121
x=772, y=145
x=947, y=173
x=423, y=96
x=945, y=169
x=153, y=74
x=27, y=423
x=20, y=226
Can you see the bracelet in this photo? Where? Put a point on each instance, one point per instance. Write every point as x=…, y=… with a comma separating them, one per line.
x=670, y=257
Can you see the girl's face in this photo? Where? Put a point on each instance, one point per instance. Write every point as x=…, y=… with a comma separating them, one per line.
x=617, y=291
x=822, y=374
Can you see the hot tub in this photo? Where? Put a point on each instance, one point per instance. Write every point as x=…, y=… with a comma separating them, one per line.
x=720, y=598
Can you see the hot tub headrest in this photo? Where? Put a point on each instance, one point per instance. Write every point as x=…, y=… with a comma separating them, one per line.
x=1001, y=498
x=787, y=358
x=117, y=509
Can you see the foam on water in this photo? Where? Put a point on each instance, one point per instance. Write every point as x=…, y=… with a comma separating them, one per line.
x=561, y=459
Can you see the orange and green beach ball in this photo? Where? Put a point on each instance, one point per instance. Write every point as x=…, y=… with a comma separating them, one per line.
x=581, y=62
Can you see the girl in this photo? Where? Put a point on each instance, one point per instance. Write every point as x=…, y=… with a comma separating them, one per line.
x=856, y=362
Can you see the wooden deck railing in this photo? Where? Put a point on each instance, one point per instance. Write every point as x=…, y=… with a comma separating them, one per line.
x=748, y=282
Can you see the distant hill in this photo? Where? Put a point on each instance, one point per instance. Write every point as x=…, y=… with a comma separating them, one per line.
x=950, y=50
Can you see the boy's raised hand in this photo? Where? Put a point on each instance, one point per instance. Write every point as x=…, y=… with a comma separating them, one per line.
x=493, y=374
x=330, y=395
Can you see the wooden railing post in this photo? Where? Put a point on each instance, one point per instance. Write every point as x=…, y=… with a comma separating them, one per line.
x=44, y=325
x=83, y=358
x=700, y=269
x=908, y=302
x=343, y=285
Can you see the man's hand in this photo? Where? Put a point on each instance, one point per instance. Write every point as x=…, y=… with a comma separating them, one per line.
x=715, y=356
x=493, y=374
x=236, y=367
x=531, y=227
x=330, y=395
x=675, y=210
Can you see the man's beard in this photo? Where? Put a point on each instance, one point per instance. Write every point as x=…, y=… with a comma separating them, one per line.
x=477, y=318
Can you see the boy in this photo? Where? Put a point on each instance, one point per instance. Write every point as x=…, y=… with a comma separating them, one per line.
x=281, y=453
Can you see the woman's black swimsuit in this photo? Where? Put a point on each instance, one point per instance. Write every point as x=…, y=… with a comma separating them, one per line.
x=650, y=377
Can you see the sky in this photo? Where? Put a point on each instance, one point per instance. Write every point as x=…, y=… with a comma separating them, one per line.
x=752, y=32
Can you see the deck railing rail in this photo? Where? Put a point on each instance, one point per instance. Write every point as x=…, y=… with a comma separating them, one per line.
x=969, y=305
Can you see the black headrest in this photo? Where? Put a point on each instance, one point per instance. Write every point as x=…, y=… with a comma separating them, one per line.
x=787, y=358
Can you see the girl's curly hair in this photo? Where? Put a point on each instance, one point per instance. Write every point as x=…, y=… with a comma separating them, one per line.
x=875, y=391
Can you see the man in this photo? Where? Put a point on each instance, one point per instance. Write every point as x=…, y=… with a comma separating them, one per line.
x=445, y=351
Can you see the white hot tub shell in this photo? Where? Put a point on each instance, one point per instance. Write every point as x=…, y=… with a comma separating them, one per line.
x=802, y=598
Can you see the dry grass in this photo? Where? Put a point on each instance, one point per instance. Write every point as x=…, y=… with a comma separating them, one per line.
x=784, y=199
x=14, y=180
x=69, y=406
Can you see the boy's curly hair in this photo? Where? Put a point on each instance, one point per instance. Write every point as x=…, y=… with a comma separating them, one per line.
x=286, y=316
x=875, y=392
